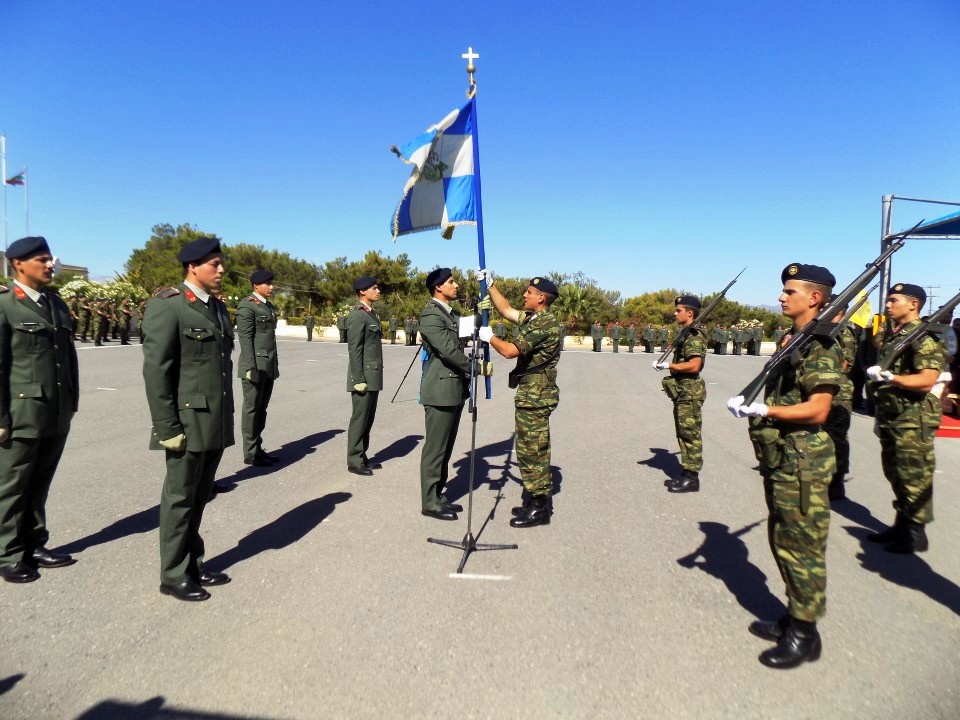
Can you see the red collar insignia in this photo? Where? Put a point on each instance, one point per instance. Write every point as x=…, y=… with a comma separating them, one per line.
x=18, y=291
x=190, y=296
x=255, y=299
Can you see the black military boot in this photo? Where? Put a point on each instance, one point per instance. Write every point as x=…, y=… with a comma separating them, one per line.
x=676, y=479
x=800, y=642
x=538, y=513
x=770, y=630
x=912, y=539
x=688, y=482
x=836, y=491
x=891, y=533
x=524, y=507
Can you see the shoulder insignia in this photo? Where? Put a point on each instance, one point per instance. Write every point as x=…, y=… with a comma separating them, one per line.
x=253, y=298
x=4, y=289
x=190, y=295
x=18, y=291
x=165, y=293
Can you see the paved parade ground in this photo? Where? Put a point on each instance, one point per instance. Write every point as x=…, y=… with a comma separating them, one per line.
x=633, y=603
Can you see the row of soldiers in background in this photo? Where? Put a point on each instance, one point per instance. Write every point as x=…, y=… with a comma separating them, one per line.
x=98, y=318
x=745, y=340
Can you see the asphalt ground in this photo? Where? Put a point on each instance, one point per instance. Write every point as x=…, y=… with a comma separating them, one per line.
x=633, y=603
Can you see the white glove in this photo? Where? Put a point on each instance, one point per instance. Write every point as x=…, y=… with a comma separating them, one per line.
x=734, y=404
x=878, y=375
x=485, y=333
x=485, y=275
x=754, y=409
x=4, y=435
x=657, y=365
x=360, y=388
x=253, y=376
x=176, y=443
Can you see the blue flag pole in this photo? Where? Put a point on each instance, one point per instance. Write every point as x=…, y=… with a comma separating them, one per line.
x=472, y=94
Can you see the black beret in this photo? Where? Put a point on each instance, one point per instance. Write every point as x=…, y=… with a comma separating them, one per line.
x=259, y=277
x=364, y=283
x=198, y=249
x=438, y=277
x=808, y=273
x=689, y=301
x=27, y=247
x=544, y=285
x=914, y=291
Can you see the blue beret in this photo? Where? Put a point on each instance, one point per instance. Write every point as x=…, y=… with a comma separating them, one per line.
x=689, y=301
x=27, y=247
x=259, y=277
x=198, y=249
x=438, y=277
x=914, y=291
x=364, y=283
x=544, y=285
x=808, y=273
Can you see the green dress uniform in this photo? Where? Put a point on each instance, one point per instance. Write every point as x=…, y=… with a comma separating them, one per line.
x=631, y=338
x=393, y=331
x=596, y=334
x=688, y=392
x=365, y=351
x=309, y=323
x=664, y=335
x=408, y=331
x=838, y=422
x=187, y=372
x=738, y=335
x=39, y=391
x=257, y=335
x=342, y=327
x=444, y=386
x=907, y=422
x=649, y=336
x=536, y=398
x=616, y=332
x=797, y=463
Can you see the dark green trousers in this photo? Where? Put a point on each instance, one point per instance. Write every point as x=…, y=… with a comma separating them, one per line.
x=27, y=467
x=186, y=488
x=361, y=421
x=440, y=435
x=256, y=397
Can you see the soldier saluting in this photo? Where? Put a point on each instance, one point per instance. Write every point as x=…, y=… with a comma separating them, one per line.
x=188, y=373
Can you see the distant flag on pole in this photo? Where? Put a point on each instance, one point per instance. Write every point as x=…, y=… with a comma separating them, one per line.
x=19, y=179
x=863, y=315
x=440, y=192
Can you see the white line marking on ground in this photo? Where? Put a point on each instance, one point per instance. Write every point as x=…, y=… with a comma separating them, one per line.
x=100, y=388
x=468, y=576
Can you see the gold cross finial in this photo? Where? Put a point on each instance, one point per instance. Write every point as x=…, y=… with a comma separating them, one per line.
x=470, y=56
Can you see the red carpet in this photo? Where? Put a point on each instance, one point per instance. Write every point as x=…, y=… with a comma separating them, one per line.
x=949, y=427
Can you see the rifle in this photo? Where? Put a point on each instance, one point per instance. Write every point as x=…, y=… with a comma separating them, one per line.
x=932, y=325
x=695, y=325
x=820, y=326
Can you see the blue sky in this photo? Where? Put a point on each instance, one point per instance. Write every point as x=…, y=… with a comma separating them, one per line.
x=646, y=144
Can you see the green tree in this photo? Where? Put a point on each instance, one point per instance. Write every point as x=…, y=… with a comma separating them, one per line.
x=155, y=265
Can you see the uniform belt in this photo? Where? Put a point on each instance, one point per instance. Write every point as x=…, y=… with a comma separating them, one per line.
x=790, y=429
x=687, y=376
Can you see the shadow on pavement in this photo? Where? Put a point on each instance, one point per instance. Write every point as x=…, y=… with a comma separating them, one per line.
x=725, y=556
x=9, y=683
x=289, y=454
x=282, y=532
x=663, y=460
x=855, y=512
x=398, y=449
x=153, y=709
x=142, y=522
x=909, y=571
x=458, y=486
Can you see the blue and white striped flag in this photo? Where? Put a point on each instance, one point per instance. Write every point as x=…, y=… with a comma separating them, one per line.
x=440, y=192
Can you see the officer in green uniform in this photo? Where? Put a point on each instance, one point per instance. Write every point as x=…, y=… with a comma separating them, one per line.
x=309, y=323
x=838, y=423
x=616, y=332
x=413, y=333
x=631, y=337
x=342, y=326
x=364, y=374
x=408, y=331
x=187, y=372
x=663, y=334
x=596, y=334
x=778, y=335
x=393, y=331
x=258, y=366
x=537, y=351
x=443, y=390
x=908, y=416
x=687, y=392
x=737, y=334
x=649, y=338
x=797, y=461
x=39, y=390
x=563, y=333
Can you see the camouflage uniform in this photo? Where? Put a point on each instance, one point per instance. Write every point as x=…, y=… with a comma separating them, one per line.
x=907, y=421
x=838, y=422
x=537, y=397
x=797, y=462
x=688, y=403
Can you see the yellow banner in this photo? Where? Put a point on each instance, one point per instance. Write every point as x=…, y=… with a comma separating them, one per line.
x=861, y=317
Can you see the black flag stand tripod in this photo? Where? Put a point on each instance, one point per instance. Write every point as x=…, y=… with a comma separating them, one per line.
x=469, y=543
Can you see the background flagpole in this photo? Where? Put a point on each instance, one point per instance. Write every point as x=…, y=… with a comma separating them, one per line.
x=26, y=198
x=3, y=178
x=470, y=56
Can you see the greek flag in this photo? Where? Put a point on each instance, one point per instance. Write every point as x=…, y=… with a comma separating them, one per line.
x=440, y=192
